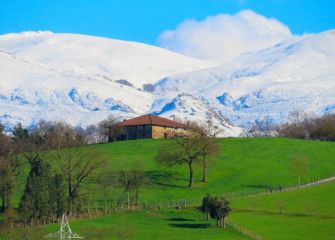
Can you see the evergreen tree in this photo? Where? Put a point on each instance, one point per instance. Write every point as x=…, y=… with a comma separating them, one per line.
x=216, y=207
x=2, y=129
x=57, y=196
x=35, y=202
x=19, y=132
x=220, y=210
x=9, y=166
x=207, y=202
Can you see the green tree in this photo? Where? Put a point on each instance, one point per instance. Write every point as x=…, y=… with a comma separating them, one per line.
x=57, y=196
x=207, y=202
x=7, y=178
x=19, y=132
x=220, y=210
x=35, y=202
x=9, y=166
x=2, y=129
x=217, y=207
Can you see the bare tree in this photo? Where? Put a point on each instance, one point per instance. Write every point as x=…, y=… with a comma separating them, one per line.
x=56, y=135
x=299, y=166
x=281, y=204
x=206, y=134
x=106, y=180
x=138, y=181
x=297, y=117
x=131, y=181
x=110, y=128
x=252, y=131
x=93, y=134
x=185, y=150
x=262, y=128
x=299, y=125
x=124, y=232
x=125, y=181
x=77, y=162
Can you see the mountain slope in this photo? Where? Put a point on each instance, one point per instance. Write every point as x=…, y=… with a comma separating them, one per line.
x=96, y=56
x=81, y=80
x=30, y=92
x=295, y=74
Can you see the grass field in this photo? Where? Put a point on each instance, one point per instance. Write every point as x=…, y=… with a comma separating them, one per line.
x=243, y=165
x=304, y=214
x=142, y=225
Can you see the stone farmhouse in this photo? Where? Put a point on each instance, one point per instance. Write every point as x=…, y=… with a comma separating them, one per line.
x=149, y=126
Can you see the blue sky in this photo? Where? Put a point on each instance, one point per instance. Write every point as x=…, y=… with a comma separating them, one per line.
x=144, y=20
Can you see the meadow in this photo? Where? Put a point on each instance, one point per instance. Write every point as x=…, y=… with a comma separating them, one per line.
x=244, y=166
x=169, y=224
x=302, y=214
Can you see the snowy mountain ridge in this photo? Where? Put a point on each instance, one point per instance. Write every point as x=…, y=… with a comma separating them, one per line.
x=296, y=74
x=99, y=57
x=82, y=79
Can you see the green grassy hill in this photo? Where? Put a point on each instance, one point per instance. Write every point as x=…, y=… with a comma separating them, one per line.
x=308, y=214
x=243, y=165
x=304, y=214
x=169, y=224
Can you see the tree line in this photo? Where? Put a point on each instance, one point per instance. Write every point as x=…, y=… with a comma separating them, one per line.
x=299, y=125
x=61, y=163
x=305, y=126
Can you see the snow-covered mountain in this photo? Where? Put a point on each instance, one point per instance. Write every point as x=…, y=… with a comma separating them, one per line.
x=296, y=74
x=99, y=57
x=30, y=91
x=82, y=79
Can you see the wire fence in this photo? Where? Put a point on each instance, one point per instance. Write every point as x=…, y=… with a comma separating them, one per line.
x=249, y=234
x=111, y=206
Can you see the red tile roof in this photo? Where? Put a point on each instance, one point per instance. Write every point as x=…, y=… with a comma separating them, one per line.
x=152, y=120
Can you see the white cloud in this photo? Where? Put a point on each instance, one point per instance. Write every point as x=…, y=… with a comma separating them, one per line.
x=223, y=37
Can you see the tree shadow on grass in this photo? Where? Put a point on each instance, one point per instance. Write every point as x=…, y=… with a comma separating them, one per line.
x=190, y=225
x=286, y=214
x=257, y=186
x=180, y=219
x=162, y=179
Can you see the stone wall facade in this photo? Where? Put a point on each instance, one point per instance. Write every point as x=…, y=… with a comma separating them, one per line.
x=166, y=132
